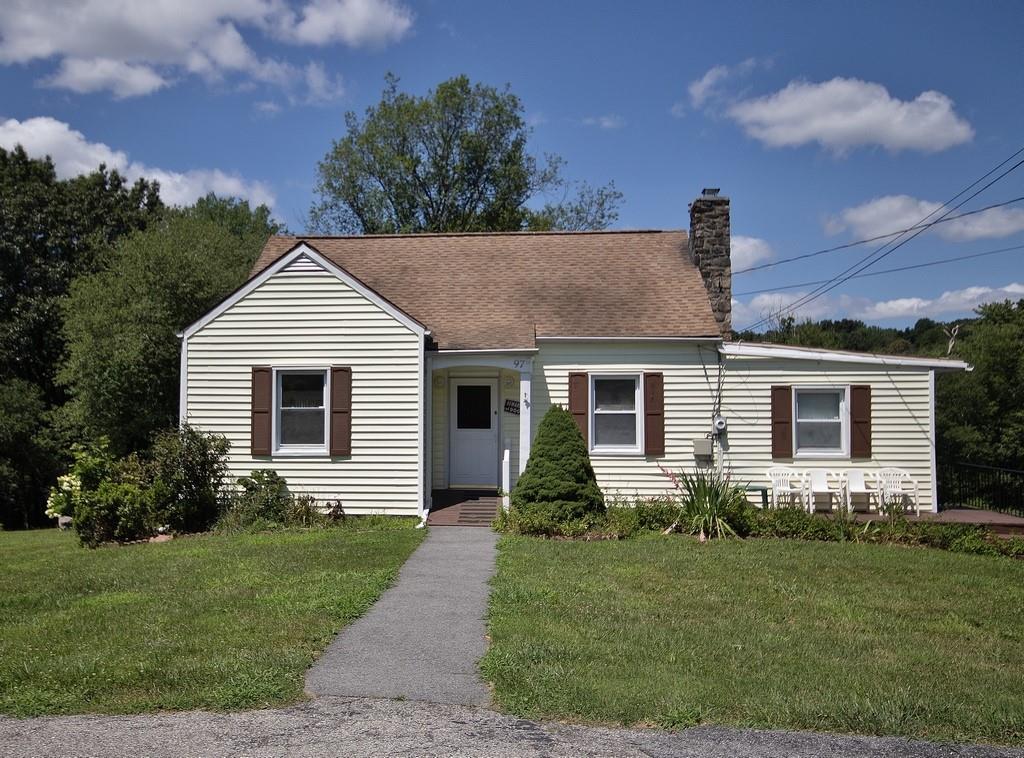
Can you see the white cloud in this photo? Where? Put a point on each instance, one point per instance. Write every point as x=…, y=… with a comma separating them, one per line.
x=99, y=74
x=951, y=301
x=948, y=304
x=74, y=155
x=354, y=22
x=708, y=87
x=609, y=121
x=890, y=213
x=134, y=48
x=267, y=107
x=321, y=87
x=748, y=251
x=841, y=114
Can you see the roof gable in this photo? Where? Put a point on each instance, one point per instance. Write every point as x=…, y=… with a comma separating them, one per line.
x=301, y=258
x=481, y=291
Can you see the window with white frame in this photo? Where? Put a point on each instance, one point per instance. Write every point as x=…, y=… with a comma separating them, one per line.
x=615, y=415
x=820, y=421
x=301, y=403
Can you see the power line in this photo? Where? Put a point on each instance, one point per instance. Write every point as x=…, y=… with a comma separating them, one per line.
x=886, y=271
x=881, y=252
x=896, y=233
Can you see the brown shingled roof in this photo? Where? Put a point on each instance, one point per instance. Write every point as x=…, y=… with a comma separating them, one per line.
x=481, y=291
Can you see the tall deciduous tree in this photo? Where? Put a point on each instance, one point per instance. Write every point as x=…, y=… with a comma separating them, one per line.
x=51, y=230
x=454, y=160
x=122, y=364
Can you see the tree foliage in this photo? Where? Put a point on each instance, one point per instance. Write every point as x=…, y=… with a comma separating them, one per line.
x=982, y=412
x=121, y=323
x=455, y=160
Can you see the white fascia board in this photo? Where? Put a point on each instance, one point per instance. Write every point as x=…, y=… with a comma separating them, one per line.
x=628, y=339
x=752, y=350
x=302, y=249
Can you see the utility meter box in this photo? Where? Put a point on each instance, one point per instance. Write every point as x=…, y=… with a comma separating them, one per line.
x=703, y=448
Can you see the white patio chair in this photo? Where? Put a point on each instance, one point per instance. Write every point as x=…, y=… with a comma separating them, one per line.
x=892, y=488
x=786, y=483
x=853, y=482
x=817, y=484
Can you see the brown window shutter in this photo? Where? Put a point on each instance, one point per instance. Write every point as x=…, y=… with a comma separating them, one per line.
x=341, y=410
x=262, y=395
x=860, y=421
x=579, y=402
x=654, y=413
x=782, y=421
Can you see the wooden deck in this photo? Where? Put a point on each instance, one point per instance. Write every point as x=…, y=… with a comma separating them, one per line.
x=1000, y=523
x=463, y=507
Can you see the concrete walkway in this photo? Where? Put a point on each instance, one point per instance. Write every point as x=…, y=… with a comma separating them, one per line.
x=423, y=638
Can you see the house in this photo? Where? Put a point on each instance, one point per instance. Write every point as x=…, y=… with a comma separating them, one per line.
x=383, y=370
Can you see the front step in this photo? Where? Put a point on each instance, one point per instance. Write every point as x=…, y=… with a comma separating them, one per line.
x=477, y=511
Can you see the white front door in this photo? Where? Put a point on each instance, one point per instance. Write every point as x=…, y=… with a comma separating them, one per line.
x=474, y=433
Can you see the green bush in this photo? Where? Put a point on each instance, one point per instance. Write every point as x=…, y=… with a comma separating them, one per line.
x=264, y=498
x=115, y=512
x=709, y=504
x=558, y=492
x=189, y=471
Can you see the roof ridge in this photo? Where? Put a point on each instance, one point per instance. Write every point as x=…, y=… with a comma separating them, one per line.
x=477, y=234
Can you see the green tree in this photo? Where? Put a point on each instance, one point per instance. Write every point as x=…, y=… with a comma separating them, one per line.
x=981, y=413
x=51, y=230
x=121, y=323
x=455, y=160
x=558, y=484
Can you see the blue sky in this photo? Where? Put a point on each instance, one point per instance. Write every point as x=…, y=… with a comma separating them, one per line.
x=824, y=122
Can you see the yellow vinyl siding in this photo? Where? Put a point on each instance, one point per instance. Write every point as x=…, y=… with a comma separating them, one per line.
x=900, y=404
x=304, y=316
x=900, y=420
x=688, y=403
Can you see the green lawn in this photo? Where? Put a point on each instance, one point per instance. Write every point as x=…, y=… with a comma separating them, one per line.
x=201, y=622
x=766, y=633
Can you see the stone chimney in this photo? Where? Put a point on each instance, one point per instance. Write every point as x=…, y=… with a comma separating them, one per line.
x=709, y=252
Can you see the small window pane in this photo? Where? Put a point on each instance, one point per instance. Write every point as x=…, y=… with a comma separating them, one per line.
x=302, y=390
x=822, y=435
x=302, y=427
x=473, y=409
x=615, y=429
x=818, y=405
x=615, y=394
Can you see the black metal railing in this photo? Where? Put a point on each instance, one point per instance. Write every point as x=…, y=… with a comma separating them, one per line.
x=971, y=485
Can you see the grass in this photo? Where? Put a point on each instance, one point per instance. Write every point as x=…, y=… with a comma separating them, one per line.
x=843, y=637
x=213, y=621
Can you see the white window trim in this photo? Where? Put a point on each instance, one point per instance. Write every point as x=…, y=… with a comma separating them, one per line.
x=844, y=422
x=300, y=450
x=610, y=450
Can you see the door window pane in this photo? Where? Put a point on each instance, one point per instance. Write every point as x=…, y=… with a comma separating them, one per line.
x=615, y=429
x=615, y=394
x=473, y=406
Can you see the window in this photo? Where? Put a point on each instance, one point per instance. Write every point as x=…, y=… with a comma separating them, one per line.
x=615, y=415
x=301, y=401
x=820, y=421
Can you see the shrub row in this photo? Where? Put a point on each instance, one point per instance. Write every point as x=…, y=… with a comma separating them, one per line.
x=178, y=486
x=264, y=502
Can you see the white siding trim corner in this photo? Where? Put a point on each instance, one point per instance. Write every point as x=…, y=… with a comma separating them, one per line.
x=933, y=440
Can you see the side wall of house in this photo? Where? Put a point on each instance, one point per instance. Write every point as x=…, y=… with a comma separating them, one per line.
x=508, y=389
x=304, y=316
x=900, y=416
x=688, y=402
x=900, y=410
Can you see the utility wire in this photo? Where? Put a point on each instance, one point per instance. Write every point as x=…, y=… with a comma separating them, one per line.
x=847, y=245
x=881, y=252
x=886, y=271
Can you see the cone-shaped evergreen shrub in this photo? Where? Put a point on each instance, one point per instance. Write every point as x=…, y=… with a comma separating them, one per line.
x=558, y=484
